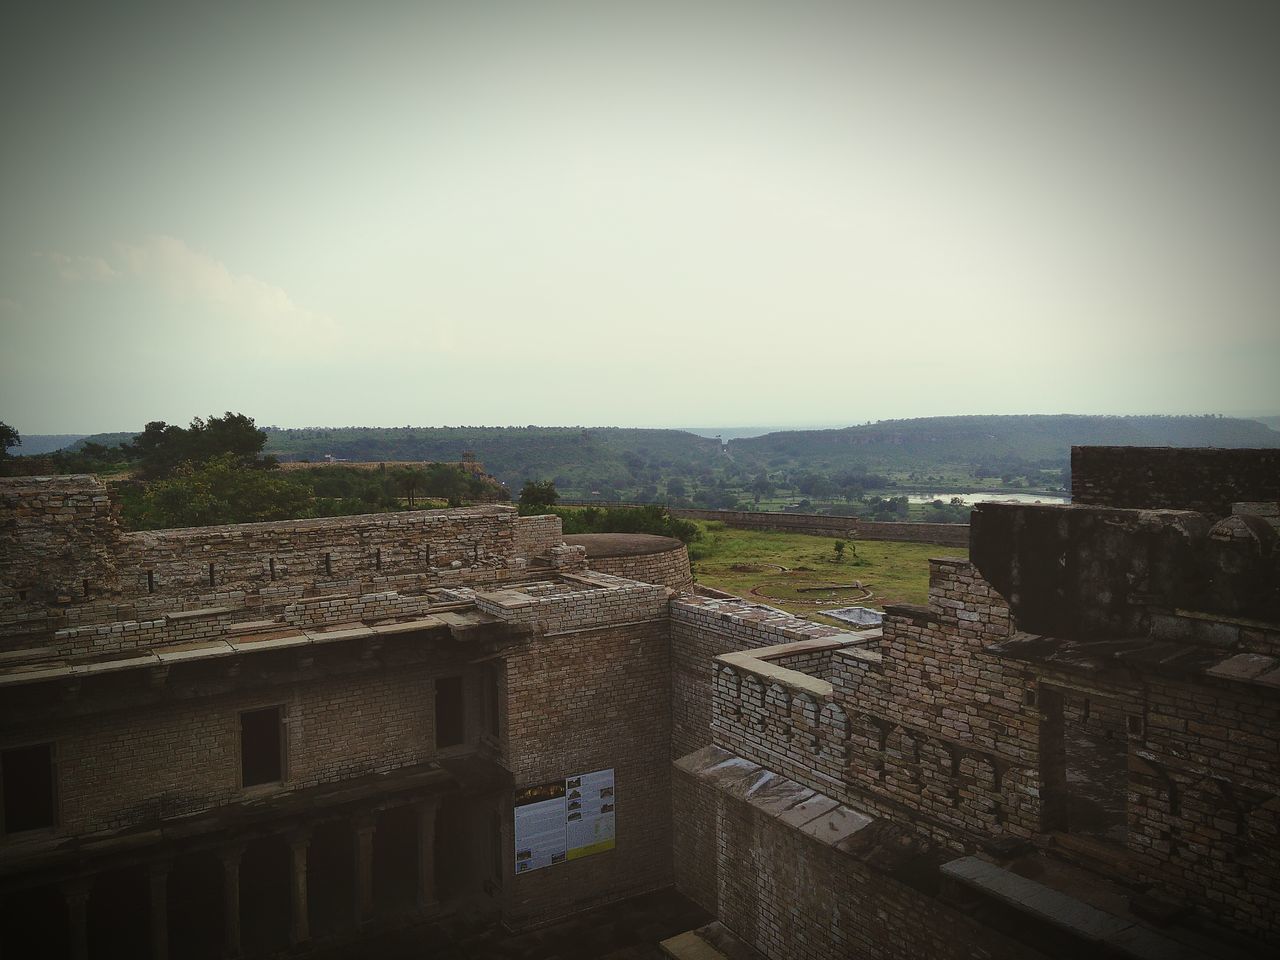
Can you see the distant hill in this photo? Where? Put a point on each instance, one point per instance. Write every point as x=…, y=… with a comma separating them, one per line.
x=1272, y=422
x=638, y=464
x=927, y=442
x=577, y=458
x=34, y=444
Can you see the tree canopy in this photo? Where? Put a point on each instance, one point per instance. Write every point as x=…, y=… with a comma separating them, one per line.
x=161, y=447
x=8, y=438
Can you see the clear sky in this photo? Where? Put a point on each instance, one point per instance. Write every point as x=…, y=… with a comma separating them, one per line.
x=641, y=213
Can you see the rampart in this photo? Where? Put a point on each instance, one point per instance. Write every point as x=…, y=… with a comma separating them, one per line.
x=817, y=524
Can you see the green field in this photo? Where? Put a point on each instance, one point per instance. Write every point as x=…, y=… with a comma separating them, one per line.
x=800, y=573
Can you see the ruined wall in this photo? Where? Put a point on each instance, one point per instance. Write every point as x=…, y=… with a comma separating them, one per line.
x=1208, y=480
x=702, y=628
x=58, y=537
x=581, y=701
x=748, y=868
x=922, y=722
x=1204, y=799
x=64, y=562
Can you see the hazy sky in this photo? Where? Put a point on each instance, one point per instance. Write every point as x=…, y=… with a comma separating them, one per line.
x=638, y=213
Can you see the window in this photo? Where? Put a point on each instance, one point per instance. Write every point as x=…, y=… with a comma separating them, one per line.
x=26, y=776
x=262, y=746
x=449, y=719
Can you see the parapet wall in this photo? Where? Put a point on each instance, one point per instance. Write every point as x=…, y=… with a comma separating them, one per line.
x=1208, y=480
x=65, y=562
x=671, y=568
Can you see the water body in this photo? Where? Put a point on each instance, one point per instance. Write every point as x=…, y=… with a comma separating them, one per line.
x=969, y=499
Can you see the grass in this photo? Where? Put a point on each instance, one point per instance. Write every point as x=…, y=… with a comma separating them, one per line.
x=750, y=563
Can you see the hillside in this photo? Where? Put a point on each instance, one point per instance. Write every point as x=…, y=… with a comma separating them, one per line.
x=931, y=444
x=34, y=444
x=937, y=454
x=576, y=458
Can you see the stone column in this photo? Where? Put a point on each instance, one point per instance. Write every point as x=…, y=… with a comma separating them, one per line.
x=231, y=900
x=300, y=928
x=427, y=852
x=364, y=827
x=77, y=895
x=158, y=874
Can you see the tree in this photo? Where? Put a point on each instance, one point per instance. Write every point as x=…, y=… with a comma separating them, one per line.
x=410, y=480
x=220, y=491
x=538, y=496
x=161, y=447
x=839, y=549
x=8, y=438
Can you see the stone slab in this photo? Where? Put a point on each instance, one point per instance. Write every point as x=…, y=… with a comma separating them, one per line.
x=806, y=810
x=1243, y=666
x=835, y=826
x=1035, y=898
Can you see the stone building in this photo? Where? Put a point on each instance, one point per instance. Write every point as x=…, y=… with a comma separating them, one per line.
x=231, y=740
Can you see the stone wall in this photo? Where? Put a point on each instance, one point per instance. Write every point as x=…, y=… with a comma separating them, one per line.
x=65, y=563
x=1208, y=480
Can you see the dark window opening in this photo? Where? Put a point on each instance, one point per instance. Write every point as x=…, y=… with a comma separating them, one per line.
x=26, y=774
x=328, y=564
x=262, y=746
x=449, y=719
x=212, y=582
x=151, y=581
x=377, y=559
x=271, y=561
x=85, y=585
x=491, y=691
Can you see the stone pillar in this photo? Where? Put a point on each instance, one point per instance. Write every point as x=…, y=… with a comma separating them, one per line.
x=231, y=900
x=427, y=852
x=364, y=827
x=77, y=895
x=299, y=928
x=158, y=874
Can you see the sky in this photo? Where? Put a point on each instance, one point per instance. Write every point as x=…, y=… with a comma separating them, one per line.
x=638, y=214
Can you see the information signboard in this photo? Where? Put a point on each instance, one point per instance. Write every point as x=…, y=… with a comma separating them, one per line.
x=540, y=826
x=564, y=820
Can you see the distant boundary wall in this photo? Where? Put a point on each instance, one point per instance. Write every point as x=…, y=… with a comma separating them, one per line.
x=817, y=524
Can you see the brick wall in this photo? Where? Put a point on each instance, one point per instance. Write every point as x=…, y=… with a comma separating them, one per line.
x=1208, y=480
x=702, y=628
x=130, y=766
x=669, y=568
x=584, y=701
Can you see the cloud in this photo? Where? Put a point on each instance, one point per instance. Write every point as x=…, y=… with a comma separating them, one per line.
x=74, y=269
x=166, y=265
